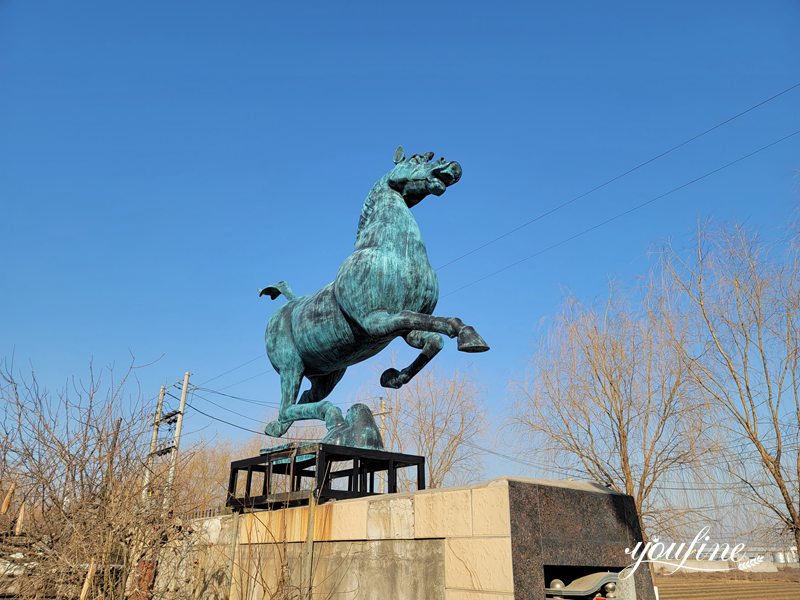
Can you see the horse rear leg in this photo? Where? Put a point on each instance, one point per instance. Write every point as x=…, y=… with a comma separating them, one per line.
x=290, y=386
x=312, y=404
x=429, y=343
x=321, y=386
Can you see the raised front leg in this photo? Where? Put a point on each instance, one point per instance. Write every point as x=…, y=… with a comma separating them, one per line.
x=384, y=324
x=429, y=343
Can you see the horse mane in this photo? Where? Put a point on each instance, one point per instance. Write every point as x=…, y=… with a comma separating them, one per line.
x=368, y=208
x=366, y=212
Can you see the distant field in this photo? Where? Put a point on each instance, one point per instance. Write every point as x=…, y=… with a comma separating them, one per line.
x=784, y=585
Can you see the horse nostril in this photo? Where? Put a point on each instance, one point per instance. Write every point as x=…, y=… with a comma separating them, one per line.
x=455, y=170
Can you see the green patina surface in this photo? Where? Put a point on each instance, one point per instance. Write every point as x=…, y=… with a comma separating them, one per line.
x=385, y=289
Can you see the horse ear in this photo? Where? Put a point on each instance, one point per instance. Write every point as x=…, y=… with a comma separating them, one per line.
x=399, y=155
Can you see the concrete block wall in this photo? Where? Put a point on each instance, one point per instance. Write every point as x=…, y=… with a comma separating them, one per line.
x=455, y=543
x=198, y=565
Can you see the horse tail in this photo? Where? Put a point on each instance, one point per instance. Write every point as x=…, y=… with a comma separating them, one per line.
x=276, y=289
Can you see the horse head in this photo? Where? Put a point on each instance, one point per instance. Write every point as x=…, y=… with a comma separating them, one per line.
x=416, y=177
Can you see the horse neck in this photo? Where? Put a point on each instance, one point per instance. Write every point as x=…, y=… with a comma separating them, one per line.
x=380, y=200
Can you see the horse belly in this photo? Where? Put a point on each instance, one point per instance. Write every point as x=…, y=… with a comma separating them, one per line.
x=324, y=338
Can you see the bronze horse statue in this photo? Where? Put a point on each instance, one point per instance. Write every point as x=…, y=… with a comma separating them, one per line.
x=386, y=288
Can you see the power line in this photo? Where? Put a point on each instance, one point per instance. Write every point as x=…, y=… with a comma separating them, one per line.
x=245, y=379
x=616, y=178
x=560, y=470
x=198, y=430
x=238, y=414
x=173, y=396
x=230, y=410
x=574, y=473
x=223, y=420
x=212, y=417
x=578, y=474
x=570, y=472
x=236, y=368
x=339, y=403
x=623, y=213
x=240, y=398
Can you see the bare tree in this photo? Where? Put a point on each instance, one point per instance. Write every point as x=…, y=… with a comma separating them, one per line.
x=202, y=479
x=610, y=398
x=742, y=354
x=440, y=418
x=75, y=461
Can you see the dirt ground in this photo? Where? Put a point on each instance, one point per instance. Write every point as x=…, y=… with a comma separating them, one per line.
x=786, y=574
x=783, y=585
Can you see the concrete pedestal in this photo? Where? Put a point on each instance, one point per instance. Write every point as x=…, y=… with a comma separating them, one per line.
x=503, y=539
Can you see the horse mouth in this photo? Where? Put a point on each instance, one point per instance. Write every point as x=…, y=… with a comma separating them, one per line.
x=448, y=174
x=446, y=178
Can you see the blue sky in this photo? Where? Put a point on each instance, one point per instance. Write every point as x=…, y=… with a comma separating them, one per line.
x=161, y=161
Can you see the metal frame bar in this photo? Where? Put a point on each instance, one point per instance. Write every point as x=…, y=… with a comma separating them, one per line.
x=302, y=461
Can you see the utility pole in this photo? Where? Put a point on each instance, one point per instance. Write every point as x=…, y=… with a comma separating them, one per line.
x=148, y=473
x=161, y=419
x=382, y=415
x=177, y=440
x=383, y=420
x=147, y=568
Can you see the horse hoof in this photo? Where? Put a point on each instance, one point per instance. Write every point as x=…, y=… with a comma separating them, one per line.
x=276, y=428
x=392, y=378
x=332, y=415
x=470, y=341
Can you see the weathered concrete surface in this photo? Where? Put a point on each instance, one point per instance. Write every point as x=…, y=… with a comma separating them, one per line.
x=491, y=541
x=199, y=565
x=376, y=569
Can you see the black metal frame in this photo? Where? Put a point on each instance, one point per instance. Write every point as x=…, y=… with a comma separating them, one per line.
x=301, y=461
